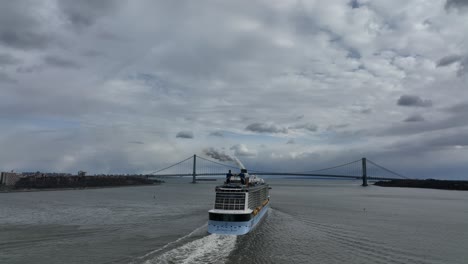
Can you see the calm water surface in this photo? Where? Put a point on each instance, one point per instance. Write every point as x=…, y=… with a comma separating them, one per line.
x=311, y=221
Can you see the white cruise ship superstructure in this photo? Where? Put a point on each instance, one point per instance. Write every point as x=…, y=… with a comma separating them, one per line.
x=241, y=203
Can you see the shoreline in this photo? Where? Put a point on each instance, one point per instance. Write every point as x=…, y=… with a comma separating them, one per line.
x=426, y=184
x=12, y=190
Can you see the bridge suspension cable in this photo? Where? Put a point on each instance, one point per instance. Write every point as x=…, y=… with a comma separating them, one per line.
x=353, y=169
x=385, y=169
x=172, y=165
x=330, y=168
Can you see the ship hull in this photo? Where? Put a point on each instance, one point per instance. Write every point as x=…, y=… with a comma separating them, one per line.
x=236, y=228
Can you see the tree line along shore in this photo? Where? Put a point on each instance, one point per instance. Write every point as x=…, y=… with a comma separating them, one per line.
x=44, y=182
x=428, y=183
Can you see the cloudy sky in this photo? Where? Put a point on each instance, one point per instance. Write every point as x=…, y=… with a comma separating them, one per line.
x=130, y=86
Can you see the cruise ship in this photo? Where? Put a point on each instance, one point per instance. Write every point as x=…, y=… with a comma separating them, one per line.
x=241, y=203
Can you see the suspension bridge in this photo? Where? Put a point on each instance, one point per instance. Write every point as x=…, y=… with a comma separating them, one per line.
x=364, y=169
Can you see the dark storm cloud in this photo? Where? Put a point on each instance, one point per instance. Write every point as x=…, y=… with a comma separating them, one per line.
x=414, y=118
x=61, y=62
x=185, y=134
x=85, y=13
x=413, y=100
x=266, y=128
x=447, y=60
x=456, y=4
x=19, y=28
x=217, y=155
x=7, y=59
x=217, y=134
x=307, y=126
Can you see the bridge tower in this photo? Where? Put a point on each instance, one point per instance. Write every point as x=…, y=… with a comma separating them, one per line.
x=194, y=174
x=364, y=172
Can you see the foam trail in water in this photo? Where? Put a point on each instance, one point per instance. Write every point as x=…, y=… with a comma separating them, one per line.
x=209, y=249
x=198, y=230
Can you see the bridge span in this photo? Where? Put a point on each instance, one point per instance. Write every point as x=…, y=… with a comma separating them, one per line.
x=363, y=169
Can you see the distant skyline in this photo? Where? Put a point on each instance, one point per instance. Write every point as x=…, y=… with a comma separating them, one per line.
x=132, y=86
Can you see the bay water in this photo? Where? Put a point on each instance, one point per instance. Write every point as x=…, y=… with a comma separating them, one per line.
x=310, y=221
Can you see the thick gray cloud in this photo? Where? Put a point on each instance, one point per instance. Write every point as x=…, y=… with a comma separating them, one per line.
x=217, y=134
x=266, y=128
x=5, y=78
x=414, y=118
x=450, y=59
x=456, y=4
x=184, y=134
x=137, y=142
x=413, y=100
x=454, y=119
x=306, y=126
x=61, y=62
x=85, y=13
x=20, y=26
x=460, y=108
x=463, y=69
x=24, y=40
x=7, y=59
x=97, y=77
x=29, y=69
x=337, y=127
x=447, y=60
x=455, y=140
x=366, y=111
x=354, y=4
x=291, y=141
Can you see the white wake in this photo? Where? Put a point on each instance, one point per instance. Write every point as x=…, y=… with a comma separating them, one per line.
x=209, y=249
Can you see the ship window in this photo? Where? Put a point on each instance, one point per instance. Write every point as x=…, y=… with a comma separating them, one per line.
x=230, y=201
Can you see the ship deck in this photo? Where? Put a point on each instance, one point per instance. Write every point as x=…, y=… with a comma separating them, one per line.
x=233, y=187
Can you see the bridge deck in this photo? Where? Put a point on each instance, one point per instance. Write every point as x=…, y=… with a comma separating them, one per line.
x=279, y=174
